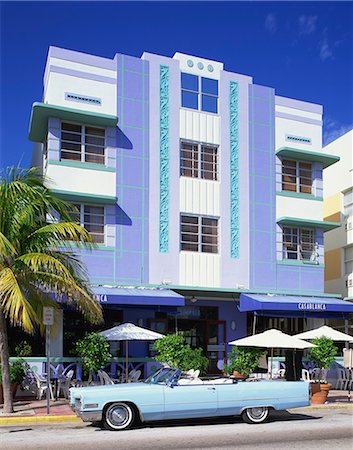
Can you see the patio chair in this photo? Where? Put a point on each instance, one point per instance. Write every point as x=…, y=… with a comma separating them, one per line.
x=134, y=375
x=104, y=378
x=349, y=373
x=306, y=375
x=41, y=383
x=64, y=384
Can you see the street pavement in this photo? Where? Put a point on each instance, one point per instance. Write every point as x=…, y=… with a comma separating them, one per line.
x=299, y=429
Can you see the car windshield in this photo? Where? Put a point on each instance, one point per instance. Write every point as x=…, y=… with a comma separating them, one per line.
x=164, y=376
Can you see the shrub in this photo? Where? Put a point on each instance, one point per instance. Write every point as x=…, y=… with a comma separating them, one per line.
x=243, y=360
x=94, y=350
x=17, y=372
x=23, y=349
x=323, y=355
x=174, y=351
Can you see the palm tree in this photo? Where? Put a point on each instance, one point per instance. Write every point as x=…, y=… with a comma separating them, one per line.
x=36, y=269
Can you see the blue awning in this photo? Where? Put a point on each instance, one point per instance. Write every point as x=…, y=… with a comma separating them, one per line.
x=295, y=306
x=137, y=296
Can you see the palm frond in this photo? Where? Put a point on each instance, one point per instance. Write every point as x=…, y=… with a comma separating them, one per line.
x=37, y=262
x=56, y=233
x=71, y=292
x=6, y=248
x=14, y=302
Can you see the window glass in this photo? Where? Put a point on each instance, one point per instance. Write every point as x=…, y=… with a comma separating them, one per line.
x=297, y=176
x=189, y=100
x=198, y=160
x=189, y=159
x=94, y=222
x=199, y=234
x=81, y=143
x=209, y=86
x=299, y=243
x=209, y=104
x=189, y=82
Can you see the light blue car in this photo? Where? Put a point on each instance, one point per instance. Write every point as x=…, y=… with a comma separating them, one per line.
x=166, y=395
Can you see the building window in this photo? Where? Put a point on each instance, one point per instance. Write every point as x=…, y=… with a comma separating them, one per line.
x=297, y=176
x=82, y=143
x=199, y=93
x=199, y=160
x=299, y=243
x=348, y=260
x=92, y=218
x=199, y=234
x=348, y=204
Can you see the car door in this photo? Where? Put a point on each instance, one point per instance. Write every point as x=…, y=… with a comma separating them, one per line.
x=187, y=401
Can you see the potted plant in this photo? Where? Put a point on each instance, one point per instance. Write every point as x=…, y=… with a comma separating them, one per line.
x=242, y=361
x=17, y=374
x=176, y=352
x=323, y=355
x=94, y=351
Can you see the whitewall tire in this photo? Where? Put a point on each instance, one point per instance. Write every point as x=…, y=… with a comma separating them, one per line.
x=118, y=416
x=256, y=415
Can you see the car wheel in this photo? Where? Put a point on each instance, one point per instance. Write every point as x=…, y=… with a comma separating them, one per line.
x=255, y=415
x=118, y=416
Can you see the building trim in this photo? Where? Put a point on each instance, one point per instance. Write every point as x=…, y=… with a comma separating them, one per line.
x=73, y=196
x=282, y=115
x=234, y=170
x=298, y=104
x=289, y=262
x=164, y=155
x=298, y=222
x=81, y=74
x=307, y=155
x=299, y=195
x=81, y=165
x=41, y=112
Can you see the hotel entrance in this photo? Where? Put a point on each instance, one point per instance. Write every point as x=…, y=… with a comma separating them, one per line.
x=200, y=327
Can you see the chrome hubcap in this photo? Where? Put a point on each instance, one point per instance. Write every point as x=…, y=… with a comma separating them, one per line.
x=257, y=413
x=118, y=416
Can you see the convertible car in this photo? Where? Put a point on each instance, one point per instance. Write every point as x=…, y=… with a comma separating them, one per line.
x=167, y=395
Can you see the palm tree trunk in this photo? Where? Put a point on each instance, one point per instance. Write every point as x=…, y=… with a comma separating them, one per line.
x=5, y=366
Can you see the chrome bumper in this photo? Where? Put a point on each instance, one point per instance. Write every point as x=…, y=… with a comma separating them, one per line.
x=90, y=416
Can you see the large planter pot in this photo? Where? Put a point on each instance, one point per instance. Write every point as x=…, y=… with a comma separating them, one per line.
x=319, y=393
x=13, y=392
x=237, y=374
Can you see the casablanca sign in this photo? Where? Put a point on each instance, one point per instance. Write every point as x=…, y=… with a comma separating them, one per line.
x=312, y=306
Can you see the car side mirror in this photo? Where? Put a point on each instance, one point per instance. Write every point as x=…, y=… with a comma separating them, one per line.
x=171, y=384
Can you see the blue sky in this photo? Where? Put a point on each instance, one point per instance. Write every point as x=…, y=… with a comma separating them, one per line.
x=302, y=49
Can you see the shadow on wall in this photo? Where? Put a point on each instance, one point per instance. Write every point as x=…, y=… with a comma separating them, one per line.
x=121, y=217
x=122, y=140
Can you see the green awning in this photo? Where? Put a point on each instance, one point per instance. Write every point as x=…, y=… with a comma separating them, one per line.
x=81, y=197
x=296, y=222
x=41, y=112
x=307, y=155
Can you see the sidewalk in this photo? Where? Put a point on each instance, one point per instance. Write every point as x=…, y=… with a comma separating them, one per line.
x=34, y=411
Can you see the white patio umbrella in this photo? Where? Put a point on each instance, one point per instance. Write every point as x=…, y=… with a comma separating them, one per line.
x=130, y=332
x=326, y=332
x=272, y=339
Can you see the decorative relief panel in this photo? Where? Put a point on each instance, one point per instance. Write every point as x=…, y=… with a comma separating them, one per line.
x=164, y=75
x=234, y=171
